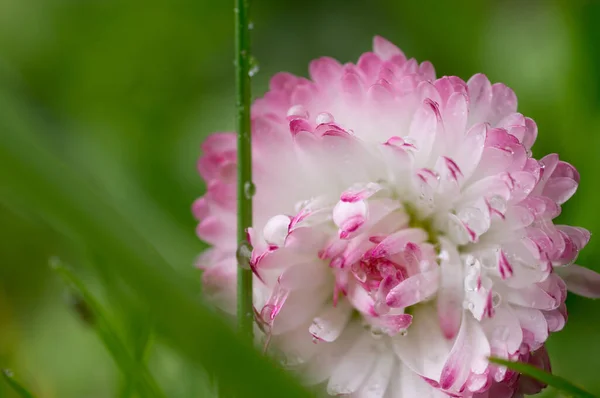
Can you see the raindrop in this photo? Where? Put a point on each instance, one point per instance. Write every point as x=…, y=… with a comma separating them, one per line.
x=496, y=299
x=529, y=153
x=471, y=283
x=243, y=255
x=254, y=67
x=470, y=261
x=299, y=111
x=324, y=117
x=404, y=332
x=249, y=189
x=377, y=333
x=250, y=25
x=542, y=164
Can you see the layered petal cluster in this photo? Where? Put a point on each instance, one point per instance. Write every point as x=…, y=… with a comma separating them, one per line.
x=403, y=232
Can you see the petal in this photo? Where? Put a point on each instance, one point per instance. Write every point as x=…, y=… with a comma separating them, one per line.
x=480, y=98
x=385, y=49
x=407, y=384
x=354, y=367
x=413, y=290
x=376, y=384
x=449, y=300
x=349, y=217
x=423, y=349
x=580, y=280
x=330, y=323
x=469, y=354
x=325, y=71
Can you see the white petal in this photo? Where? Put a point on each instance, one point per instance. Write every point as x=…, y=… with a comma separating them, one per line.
x=469, y=354
x=407, y=384
x=354, y=367
x=276, y=230
x=580, y=280
x=424, y=348
x=376, y=384
x=330, y=323
x=450, y=295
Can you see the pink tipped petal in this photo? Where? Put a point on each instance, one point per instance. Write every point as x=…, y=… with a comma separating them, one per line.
x=449, y=303
x=385, y=49
x=469, y=354
x=413, y=290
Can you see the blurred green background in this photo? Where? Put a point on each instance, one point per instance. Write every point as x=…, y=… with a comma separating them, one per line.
x=124, y=91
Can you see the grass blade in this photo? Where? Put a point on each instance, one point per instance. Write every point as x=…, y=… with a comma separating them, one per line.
x=536, y=373
x=132, y=369
x=15, y=385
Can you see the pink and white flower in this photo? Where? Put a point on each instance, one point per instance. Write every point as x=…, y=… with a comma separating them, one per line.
x=402, y=232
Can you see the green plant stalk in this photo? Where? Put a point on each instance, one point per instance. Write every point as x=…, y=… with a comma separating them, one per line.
x=133, y=368
x=245, y=187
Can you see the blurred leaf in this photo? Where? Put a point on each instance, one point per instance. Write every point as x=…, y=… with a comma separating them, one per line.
x=132, y=369
x=74, y=206
x=15, y=385
x=552, y=380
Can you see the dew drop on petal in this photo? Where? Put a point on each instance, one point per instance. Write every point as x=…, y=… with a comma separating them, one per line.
x=496, y=299
x=324, y=117
x=298, y=111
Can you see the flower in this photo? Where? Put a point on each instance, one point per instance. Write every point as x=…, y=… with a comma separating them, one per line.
x=402, y=232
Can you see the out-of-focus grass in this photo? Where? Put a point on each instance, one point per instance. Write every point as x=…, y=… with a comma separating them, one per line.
x=124, y=91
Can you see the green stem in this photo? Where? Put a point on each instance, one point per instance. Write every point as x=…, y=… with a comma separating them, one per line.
x=245, y=188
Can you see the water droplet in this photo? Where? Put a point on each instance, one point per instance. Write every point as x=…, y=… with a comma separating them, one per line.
x=496, y=299
x=470, y=261
x=324, y=117
x=249, y=189
x=471, y=283
x=509, y=150
x=250, y=25
x=471, y=306
x=254, y=67
x=377, y=333
x=404, y=332
x=336, y=389
x=298, y=111
x=542, y=164
x=529, y=153
x=8, y=372
x=243, y=255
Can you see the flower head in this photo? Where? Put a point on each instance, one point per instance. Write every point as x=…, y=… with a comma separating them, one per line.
x=403, y=231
